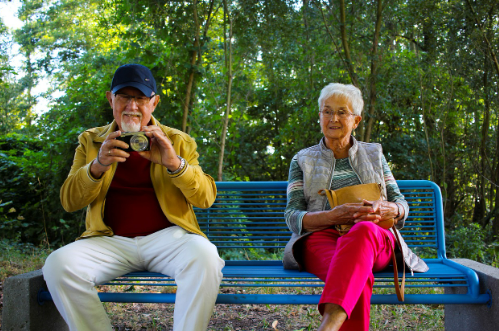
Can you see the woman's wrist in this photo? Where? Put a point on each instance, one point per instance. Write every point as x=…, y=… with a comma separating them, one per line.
x=400, y=211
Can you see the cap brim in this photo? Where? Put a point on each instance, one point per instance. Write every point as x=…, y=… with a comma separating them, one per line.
x=144, y=89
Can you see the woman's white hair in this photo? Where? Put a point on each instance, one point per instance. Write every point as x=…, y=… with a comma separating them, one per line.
x=349, y=91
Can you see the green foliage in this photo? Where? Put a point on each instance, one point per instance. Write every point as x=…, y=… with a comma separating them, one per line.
x=471, y=242
x=29, y=189
x=12, y=106
x=19, y=190
x=250, y=254
x=435, y=107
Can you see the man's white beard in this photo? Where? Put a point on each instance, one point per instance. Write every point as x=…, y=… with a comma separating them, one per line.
x=128, y=124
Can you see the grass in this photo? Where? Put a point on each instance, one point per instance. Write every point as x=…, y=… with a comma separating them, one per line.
x=19, y=258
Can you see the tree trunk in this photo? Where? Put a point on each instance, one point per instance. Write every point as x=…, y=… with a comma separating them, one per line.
x=346, y=46
x=483, y=147
x=443, y=144
x=195, y=59
x=374, y=67
x=229, y=92
x=194, y=54
x=188, y=92
x=425, y=126
x=31, y=100
x=310, y=49
x=496, y=182
x=490, y=50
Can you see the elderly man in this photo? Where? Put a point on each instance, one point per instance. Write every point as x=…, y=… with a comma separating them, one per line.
x=139, y=212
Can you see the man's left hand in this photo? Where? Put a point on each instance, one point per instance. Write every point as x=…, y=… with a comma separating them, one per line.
x=162, y=151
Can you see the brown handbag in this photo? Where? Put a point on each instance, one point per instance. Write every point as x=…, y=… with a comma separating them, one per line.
x=356, y=194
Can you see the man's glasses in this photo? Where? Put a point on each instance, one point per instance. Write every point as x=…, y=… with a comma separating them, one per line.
x=125, y=99
x=328, y=114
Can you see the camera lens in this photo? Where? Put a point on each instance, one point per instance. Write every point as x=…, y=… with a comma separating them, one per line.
x=139, y=143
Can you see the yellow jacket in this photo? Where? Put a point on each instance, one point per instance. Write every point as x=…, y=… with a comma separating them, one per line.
x=176, y=193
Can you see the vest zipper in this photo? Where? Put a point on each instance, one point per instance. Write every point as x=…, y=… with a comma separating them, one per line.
x=355, y=171
x=333, y=165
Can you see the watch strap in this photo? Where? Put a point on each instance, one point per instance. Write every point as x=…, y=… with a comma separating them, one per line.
x=182, y=165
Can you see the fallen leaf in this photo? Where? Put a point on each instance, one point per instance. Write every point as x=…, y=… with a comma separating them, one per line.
x=274, y=324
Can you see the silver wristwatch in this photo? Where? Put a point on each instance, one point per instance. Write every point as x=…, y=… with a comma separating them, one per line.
x=182, y=165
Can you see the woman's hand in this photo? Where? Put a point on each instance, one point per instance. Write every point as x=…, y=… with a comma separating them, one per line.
x=348, y=213
x=351, y=213
x=385, y=209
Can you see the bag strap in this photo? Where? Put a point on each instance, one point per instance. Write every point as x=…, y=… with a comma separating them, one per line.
x=331, y=196
x=398, y=290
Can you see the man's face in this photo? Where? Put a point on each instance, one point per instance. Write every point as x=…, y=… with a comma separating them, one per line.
x=131, y=114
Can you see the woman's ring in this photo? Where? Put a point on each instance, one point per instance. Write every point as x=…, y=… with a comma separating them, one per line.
x=109, y=152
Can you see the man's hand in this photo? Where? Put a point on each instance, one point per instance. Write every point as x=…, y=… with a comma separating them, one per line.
x=162, y=151
x=110, y=151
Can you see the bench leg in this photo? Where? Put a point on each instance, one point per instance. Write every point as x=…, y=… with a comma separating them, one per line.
x=475, y=317
x=21, y=310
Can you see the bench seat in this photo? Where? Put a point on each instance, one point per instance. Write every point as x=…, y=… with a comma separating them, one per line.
x=248, y=217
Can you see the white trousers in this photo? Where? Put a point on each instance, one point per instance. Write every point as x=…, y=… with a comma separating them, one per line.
x=72, y=271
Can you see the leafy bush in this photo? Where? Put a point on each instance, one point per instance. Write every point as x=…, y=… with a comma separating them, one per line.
x=250, y=254
x=30, y=180
x=470, y=242
x=19, y=189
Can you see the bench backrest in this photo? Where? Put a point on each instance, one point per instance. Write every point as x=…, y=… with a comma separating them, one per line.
x=249, y=215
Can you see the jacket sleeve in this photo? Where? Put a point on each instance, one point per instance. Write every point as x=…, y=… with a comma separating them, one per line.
x=296, y=207
x=198, y=188
x=393, y=193
x=80, y=188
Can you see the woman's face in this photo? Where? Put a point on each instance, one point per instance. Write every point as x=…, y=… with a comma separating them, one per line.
x=335, y=127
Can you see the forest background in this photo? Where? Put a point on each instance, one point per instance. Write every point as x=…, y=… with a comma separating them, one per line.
x=243, y=78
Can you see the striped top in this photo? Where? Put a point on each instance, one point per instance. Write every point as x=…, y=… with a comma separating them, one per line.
x=343, y=176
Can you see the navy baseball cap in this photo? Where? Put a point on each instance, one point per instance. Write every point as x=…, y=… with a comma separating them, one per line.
x=134, y=75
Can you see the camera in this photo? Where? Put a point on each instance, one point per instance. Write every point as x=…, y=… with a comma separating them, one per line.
x=137, y=141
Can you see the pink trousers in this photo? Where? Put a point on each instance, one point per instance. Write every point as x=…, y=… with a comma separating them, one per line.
x=346, y=265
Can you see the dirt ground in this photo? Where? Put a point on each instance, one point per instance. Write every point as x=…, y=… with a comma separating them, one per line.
x=225, y=317
x=155, y=317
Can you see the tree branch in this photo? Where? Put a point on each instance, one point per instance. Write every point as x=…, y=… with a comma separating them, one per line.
x=487, y=42
x=347, y=61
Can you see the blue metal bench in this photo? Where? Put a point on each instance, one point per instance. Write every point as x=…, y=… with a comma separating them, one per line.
x=248, y=216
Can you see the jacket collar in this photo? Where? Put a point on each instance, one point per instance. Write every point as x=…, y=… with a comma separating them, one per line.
x=329, y=153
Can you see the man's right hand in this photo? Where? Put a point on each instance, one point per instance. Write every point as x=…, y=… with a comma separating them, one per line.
x=110, y=151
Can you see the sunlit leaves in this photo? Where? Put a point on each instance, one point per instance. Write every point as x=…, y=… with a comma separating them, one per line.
x=434, y=87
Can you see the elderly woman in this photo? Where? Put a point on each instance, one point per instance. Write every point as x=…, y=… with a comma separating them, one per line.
x=345, y=263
